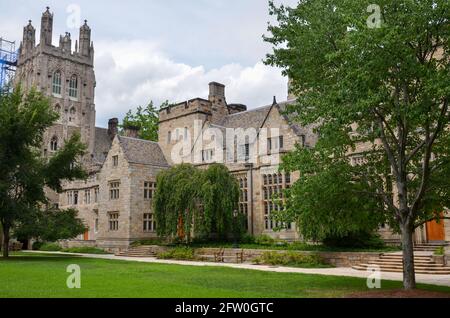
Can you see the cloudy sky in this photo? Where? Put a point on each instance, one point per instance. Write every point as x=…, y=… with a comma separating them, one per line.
x=164, y=49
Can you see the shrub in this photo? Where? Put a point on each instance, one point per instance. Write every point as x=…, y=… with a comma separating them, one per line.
x=84, y=250
x=50, y=247
x=439, y=251
x=37, y=245
x=178, y=253
x=264, y=240
x=247, y=239
x=154, y=241
x=356, y=240
x=290, y=259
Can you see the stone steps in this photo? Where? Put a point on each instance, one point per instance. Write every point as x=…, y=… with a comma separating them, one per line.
x=394, y=263
x=428, y=247
x=138, y=251
x=399, y=269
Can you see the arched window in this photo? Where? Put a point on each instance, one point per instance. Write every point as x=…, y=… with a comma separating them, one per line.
x=54, y=144
x=56, y=88
x=73, y=87
x=58, y=109
x=72, y=114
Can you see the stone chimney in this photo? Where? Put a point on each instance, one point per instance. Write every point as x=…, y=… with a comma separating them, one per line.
x=216, y=92
x=113, y=127
x=218, y=101
x=131, y=131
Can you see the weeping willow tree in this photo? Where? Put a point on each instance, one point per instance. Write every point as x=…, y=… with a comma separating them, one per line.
x=190, y=200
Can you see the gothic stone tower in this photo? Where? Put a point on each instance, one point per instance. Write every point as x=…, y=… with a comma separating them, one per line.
x=65, y=76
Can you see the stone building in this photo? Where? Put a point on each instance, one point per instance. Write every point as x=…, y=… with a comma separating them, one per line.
x=115, y=201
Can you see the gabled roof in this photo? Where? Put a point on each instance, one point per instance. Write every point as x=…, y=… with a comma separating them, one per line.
x=255, y=118
x=141, y=151
x=249, y=119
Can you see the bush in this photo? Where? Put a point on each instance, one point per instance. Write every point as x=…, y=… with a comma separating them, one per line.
x=50, y=247
x=356, y=240
x=84, y=250
x=247, y=239
x=439, y=251
x=37, y=245
x=264, y=240
x=154, y=241
x=178, y=253
x=290, y=259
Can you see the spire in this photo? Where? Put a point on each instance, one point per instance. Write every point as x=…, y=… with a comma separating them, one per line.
x=274, y=100
x=29, y=38
x=85, y=39
x=47, y=13
x=46, y=28
x=85, y=26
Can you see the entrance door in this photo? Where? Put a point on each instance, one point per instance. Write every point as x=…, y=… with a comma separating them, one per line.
x=86, y=236
x=435, y=231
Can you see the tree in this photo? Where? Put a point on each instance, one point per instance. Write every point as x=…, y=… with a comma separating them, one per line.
x=378, y=81
x=50, y=225
x=24, y=174
x=200, y=200
x=146, y=119
x=326, y=203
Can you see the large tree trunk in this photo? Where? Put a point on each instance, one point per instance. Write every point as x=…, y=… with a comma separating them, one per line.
x=409, y=275
x=5, y=247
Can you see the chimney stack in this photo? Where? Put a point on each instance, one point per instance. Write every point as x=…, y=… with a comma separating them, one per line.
x=131, y=131
x=216, y=91
x=113, y=127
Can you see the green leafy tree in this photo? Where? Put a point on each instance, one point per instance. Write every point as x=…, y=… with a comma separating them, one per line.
x=24, y=174
x=146, y=119
x=326, y=202
x=378, y=80
x=199, y=201
x=49, y=225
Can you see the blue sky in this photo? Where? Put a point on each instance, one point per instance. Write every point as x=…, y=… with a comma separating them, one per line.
x=164, y=49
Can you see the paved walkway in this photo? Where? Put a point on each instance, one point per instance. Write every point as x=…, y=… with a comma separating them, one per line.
x=442, y=280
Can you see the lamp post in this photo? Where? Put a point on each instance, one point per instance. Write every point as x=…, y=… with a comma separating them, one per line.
x=235, y=243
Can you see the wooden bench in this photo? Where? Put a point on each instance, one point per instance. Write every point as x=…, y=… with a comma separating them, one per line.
x=15, y=246
x=220, y=256
x=216, y=256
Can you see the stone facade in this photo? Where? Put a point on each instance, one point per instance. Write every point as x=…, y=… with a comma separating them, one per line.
x=115, y=201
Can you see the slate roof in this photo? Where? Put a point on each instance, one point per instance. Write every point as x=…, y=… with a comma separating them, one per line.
x=102, y=144
x=248, y=119
x=255, y=118
x=141, y=151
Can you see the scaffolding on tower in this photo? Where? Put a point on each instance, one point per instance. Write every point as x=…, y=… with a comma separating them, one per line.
x=8, y=63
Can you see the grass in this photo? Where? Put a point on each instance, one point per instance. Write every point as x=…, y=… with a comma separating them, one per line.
x=34, y=275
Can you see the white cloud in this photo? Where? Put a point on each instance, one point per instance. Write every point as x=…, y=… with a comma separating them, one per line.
x=131, y=73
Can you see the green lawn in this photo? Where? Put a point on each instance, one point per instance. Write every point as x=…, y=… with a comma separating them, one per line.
x=45, y=276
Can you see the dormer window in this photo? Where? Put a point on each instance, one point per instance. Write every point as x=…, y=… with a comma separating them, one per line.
x=73, y=87
x=54, y=144
x=56, y=87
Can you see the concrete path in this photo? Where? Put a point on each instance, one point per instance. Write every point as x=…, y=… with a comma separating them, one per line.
x=442, y=280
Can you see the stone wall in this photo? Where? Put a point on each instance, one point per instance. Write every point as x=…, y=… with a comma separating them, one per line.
x=338, y=259
x=76, y=243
